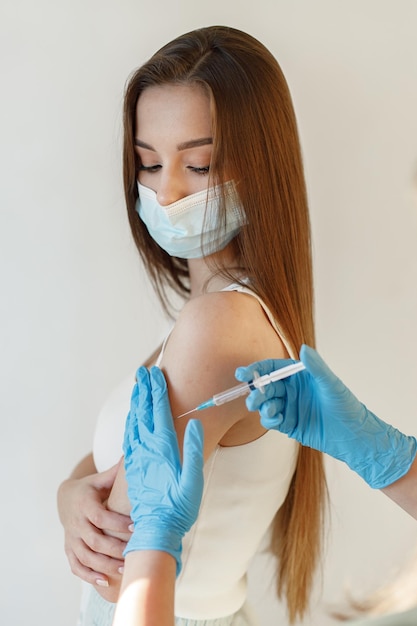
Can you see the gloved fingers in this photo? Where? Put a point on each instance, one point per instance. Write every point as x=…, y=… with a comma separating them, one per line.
x=326, y=381
x=247, y=374
x=315, y=365
x=126, y=438
x=144, y=404
x=272, y=423
x=275, y=391
x=134, y=396
x=161, y=408
x=193, y=460
x=272, y=416
x=131, y=434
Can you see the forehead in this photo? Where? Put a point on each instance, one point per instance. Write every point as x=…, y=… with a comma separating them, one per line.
x=173, y=109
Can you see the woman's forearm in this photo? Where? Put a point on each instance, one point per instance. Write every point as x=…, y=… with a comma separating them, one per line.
x=118, y=499
x=85, y=467
x=117, y=502
x=147, y=593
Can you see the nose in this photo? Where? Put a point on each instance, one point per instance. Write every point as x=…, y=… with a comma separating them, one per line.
x=170, y=189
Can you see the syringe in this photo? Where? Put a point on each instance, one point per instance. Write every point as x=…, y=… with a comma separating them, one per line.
x=245, y=388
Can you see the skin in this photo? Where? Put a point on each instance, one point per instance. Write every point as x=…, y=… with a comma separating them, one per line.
x=175, y=141
x=404, y=491
x=147, y=593
x=92, y=555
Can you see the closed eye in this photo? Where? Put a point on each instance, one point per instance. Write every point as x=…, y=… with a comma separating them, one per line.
x=149, y=168
x=203, y=171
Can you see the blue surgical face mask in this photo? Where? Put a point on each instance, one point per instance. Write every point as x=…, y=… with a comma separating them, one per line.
x=183, y=227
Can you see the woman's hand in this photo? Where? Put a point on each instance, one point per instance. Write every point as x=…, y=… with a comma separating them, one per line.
x=92, y=555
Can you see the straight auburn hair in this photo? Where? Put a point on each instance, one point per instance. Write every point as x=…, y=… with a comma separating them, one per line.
x=256, y=144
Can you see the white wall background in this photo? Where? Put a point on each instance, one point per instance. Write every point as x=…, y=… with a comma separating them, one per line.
x=76, y=312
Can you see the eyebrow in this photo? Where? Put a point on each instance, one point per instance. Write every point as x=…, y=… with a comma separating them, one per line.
x=192, y=143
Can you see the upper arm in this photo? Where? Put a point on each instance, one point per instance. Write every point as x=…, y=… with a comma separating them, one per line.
x=214, y=334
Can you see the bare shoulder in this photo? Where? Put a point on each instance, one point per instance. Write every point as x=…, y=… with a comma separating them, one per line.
x=214, y=334
x=226, y=323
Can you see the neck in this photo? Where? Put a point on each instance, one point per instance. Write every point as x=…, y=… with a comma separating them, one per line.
x=204, y=276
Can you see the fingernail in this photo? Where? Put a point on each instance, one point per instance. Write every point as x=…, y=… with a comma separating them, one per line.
x=101, y=582
x=131, y=527
x=121, y=569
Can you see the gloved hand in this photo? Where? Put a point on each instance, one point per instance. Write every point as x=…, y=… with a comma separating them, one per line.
x=165, y=497
x=319, y=411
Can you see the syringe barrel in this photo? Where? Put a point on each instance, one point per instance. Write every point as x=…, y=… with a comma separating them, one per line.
x=232, y=393
x=278, y=374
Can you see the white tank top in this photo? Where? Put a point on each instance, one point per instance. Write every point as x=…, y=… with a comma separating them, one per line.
x=244, y=488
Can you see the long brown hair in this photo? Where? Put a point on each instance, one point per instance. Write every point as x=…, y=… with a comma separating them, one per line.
x=255, y=142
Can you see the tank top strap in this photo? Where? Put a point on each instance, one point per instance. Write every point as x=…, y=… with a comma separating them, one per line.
x=268, y=313
x=161, y=353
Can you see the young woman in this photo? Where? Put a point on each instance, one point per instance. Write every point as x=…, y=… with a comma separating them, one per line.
x=217, y=205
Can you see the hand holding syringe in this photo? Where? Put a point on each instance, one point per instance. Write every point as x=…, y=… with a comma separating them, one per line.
x=245, y=388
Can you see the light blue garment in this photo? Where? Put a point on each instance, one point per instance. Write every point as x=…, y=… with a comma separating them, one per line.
x=405, y=618
x=99, y=612
x=190, y=228
x=95, y=610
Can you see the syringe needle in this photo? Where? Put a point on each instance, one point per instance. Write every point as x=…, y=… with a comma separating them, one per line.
x=187, y=413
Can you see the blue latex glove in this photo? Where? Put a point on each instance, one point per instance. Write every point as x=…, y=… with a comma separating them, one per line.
x=165, y=497
x=319, y=411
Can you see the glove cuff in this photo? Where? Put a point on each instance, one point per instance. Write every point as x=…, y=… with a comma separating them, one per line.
x=153, y=536
x=401, y=461
x=391, y=462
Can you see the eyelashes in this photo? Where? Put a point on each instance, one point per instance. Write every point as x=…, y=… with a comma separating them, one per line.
x=149, y=168
x=152, y=169
x=203, y=171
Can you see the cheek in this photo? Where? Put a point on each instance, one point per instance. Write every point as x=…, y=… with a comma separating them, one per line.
x=148, y=180
x=195, y=186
